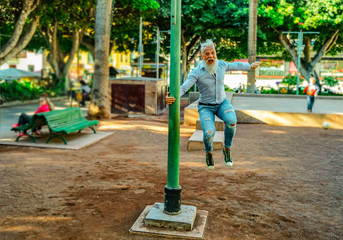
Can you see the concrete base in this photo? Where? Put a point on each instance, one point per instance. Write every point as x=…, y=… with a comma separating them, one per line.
x=75, y=140
x=289, y=119
x=183, y=221
x=197, y=232
x=196, y=141
x=191, y=114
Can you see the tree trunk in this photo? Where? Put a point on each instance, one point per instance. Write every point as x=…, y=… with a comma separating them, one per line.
x=54, y=57
x=183, y=68
x=252, y=40
x=71, y=55
x=28, y=7
x=100, y=107
x=59, y=61
x=22, y=42
x=307, y=50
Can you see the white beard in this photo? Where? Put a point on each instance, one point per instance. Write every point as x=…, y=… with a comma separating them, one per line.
x=211, y=68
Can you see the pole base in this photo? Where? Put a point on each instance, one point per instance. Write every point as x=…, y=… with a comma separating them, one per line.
x=172, y=200
x=183, y=221
x=141, y=228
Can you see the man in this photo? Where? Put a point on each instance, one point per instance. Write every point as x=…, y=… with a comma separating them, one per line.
x=209, y=77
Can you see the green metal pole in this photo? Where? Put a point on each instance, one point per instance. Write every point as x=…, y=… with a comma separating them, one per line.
x=172, y=197
x=300, y=44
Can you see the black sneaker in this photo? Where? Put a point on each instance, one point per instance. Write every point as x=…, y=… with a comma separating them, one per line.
x=209, y=161
x=227, y=157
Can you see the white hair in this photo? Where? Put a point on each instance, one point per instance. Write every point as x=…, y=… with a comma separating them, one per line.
x=208, y=43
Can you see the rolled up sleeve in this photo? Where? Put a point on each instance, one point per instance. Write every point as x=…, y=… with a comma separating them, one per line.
x=237, y=66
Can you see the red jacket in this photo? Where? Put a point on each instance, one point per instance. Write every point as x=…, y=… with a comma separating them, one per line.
x=43, y=108
x=310, y=90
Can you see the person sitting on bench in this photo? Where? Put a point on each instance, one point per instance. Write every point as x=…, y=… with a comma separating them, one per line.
x=45, y=105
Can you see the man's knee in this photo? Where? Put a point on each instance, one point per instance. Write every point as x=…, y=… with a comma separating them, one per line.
x=232, y=125
x=209, y=134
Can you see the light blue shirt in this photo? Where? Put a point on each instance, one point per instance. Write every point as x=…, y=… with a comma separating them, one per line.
x=211, y=87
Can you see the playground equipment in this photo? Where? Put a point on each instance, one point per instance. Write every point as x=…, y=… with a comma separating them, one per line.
x=172, y=218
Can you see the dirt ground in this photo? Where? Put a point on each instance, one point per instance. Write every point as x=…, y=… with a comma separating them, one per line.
x=286, y=183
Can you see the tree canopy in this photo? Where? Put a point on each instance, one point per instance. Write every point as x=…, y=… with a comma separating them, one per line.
x=18, y=22
x=324, y=16
x=64, y=25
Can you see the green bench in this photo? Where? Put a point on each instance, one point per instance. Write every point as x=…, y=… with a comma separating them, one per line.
x=62, y=122
x=27, y=129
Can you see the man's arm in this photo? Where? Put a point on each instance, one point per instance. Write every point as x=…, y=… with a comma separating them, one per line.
x=190, y=81
x=242, y=66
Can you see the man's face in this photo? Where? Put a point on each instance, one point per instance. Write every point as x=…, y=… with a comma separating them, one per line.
x=209, y=55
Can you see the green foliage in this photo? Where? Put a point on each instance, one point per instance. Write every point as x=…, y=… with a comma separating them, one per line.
x=144, y=5
x=221, y=20
x=269, y=91
x=24, y=90
x=14, y=90
x=125, y=27
x=324, y=16
x=291, y=80
x=330, y=81
x=9, y=13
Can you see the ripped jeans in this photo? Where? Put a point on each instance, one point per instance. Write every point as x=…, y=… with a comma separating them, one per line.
x=226, y=113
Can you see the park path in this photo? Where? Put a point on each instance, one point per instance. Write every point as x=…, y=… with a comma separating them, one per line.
x=286, y=183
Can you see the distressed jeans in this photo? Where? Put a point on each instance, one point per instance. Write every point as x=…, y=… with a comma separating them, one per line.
x=225, y=112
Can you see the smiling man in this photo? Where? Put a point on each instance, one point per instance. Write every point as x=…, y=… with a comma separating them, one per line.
x=209, y=77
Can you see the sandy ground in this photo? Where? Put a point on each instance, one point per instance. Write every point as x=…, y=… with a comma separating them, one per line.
x=286, y=183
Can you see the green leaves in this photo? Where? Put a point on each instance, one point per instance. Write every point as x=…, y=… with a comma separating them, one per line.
x=324, y=16
x=313, y=13
x=23, y=90
x=290, y=80
x=330, y=81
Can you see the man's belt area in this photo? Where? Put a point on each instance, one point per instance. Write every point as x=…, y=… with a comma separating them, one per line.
x=208, y=104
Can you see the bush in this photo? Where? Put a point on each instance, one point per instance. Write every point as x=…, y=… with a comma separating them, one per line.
x=291, y=80
x=330, y=81
x=14, y=90
x=269, y=91
x=24, y=90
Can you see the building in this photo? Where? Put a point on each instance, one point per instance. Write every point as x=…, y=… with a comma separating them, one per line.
x=26, y=60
